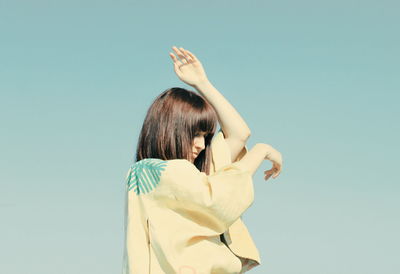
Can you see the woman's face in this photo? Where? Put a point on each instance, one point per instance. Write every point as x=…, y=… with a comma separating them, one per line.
x=198, y=145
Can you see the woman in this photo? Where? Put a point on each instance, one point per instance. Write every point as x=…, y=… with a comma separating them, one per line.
x=187, y=190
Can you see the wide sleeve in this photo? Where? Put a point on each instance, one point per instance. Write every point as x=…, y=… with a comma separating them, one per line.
x=184, y=211
x=237, y=236
x=213, y=201
x=221, y=154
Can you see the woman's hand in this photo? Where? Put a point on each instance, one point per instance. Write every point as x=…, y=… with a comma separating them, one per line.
x=276, y=158
x=188, y=68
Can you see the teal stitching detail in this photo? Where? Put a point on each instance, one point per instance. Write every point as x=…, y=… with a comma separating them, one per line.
x=145, y=175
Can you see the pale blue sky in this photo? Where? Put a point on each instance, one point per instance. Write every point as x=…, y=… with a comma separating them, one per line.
x=318, y=80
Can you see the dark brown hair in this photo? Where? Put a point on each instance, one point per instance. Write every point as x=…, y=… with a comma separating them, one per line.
x=171, y=124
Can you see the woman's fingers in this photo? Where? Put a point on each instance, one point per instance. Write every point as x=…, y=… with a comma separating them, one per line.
x=274, y=172
x=176, y=60
x=276, y=175
x=268, y=174
x=180, y=54
x=191, y=55
x=187, y=55
x=177, y=63
x=277, y=171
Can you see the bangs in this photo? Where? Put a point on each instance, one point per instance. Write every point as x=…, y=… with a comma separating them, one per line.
x=204, y=119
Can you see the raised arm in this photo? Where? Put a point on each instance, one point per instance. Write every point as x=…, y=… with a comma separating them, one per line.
x=235, y=129
x=190, y=70
x=256, y=155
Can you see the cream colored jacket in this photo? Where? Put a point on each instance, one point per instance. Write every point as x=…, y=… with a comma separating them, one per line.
x=175, y=215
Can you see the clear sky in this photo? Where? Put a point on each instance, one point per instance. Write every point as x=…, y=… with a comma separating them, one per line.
x=317, y=80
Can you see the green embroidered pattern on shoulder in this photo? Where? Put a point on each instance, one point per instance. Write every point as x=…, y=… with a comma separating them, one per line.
x=145, y=175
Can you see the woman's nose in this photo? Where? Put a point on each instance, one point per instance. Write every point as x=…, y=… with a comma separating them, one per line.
x=200, y=144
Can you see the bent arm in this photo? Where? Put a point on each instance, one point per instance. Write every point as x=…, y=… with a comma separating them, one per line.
x=252, y=160
x=190, y=70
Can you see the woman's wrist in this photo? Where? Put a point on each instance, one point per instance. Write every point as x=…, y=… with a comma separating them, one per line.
x=272, y=154
x=202, y=85
x=266, y=148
